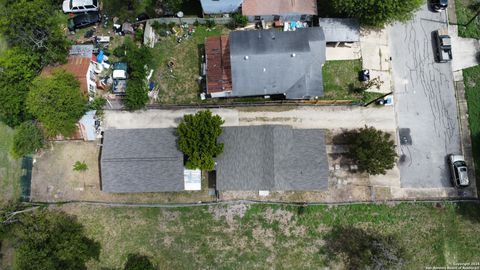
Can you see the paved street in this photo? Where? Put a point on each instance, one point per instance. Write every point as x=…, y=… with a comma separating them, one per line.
x=425, y=103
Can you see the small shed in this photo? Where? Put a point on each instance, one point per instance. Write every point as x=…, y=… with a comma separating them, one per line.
x=340, y=30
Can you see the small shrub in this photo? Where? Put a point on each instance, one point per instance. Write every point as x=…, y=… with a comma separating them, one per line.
x=80, y=166
x=28, y=138
x=196, y=23
x=139, y=34
x=210, y=23
x=171, y=25
x=97, y=103
x=240, y=20
x=119, y=51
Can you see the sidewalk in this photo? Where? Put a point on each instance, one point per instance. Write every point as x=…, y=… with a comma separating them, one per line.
x=465, y=51
x=376, y=57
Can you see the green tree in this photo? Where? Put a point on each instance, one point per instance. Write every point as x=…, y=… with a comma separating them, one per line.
x=136, y=95
x=377, y=13
x=373, y=150
x=361, y=249
x=197, y=139
x=174, y=5
x=28, y=138
x=35, y=27
x=138, y=59
x=17, y=69
x=52, y=240
x=138, y=262
x=57, y=102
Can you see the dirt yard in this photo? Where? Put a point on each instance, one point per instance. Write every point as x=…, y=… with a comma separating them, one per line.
x=53, y=178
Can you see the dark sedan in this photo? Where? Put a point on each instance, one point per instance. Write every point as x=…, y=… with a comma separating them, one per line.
x=439, y=5
x=82, y=20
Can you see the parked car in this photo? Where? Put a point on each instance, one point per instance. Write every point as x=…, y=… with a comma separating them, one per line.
x=120, y=77
x=439, y=5
x=443, y=46
x=82, y=20
x=459, y=171
x=77, y=6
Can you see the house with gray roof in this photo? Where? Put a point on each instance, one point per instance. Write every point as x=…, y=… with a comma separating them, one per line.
x=143, y=160
x=270, y=62
x=255, y=158
x=272, y=158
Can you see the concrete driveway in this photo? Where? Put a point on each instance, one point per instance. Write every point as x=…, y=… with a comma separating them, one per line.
x=324, y=117
x=425, y=103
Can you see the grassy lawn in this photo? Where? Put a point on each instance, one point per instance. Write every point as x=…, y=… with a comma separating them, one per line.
x=261, y=236
x=180, y=85
x=472, y=91
x=340, y=79
x=465, y=10
x=10, y=169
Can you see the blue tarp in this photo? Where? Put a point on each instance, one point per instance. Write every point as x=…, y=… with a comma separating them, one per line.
x=100, y=57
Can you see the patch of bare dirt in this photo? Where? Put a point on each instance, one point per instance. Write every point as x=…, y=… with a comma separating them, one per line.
x=282, y=216
x=264, y=236
x=229, y=213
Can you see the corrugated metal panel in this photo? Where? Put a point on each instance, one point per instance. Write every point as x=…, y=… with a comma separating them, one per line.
x=219, y=75
x=220, y=6
x=279, y=7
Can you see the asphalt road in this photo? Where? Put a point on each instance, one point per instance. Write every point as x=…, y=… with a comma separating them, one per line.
x=425, y=103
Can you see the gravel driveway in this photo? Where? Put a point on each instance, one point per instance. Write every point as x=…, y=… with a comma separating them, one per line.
x=425, y=103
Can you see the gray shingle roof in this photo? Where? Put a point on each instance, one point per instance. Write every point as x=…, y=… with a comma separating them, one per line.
x=272, y=158
x=268, y=62
x=141, y=160
x=340, y=29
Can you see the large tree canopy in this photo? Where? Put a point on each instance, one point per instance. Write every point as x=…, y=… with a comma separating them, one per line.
x=377, y=13
x=17, y=69
x=52, y=240
x=34, y=26
x=373, y=150
x=57, y=102
x=197, y=139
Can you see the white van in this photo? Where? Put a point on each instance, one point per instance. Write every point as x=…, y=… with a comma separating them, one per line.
x=77, y=6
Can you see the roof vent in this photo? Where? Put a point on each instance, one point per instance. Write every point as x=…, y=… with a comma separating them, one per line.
x=246, y=57
x=293, y=55
x=264, y=70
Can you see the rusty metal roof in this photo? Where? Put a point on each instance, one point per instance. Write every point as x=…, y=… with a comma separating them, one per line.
x=219, y=73
x=279, y=7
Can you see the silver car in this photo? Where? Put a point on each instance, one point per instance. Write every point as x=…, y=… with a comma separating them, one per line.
x=459, y=171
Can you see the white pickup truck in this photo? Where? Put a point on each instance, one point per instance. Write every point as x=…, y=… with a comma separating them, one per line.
x=119, y=78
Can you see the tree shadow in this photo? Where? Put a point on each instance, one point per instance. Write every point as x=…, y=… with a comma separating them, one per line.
x=361, y=249
x=138, y=262
x=345, y=137
x=469, y=210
